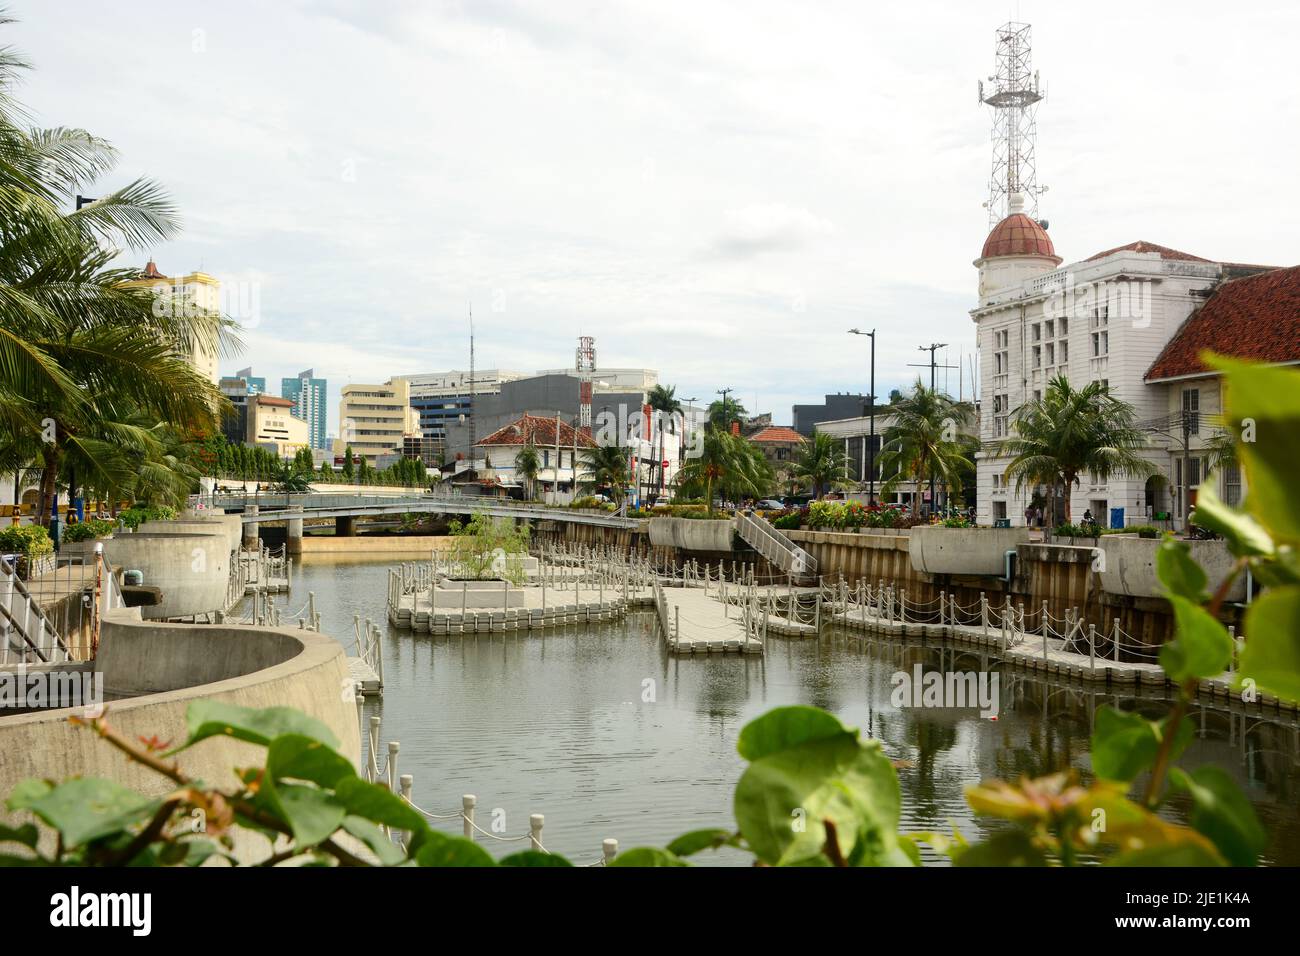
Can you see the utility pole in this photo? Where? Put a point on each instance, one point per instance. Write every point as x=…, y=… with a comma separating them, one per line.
x=871, y=413
x=726, y=412
x=932, y=348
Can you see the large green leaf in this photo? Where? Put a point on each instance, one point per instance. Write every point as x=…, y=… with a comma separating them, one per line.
x=211, y=718
x=26, y=834
x=378, y=804
x=1202, y=647
x=386, y=851
x=296, y=757
x=691, y=843
x=1245, y=535
x=26, y=792
x=533, y=858
x=1125, y=743
x=647, y=856
x=438, y=849
x=1168, y=854
x=1271, y=655
x=786, y=727
x=1011, y=848
x=1178, y=572
x=87, y=808
x=1264, y=403
x=783, y=798
x=1222, y=813
x=312, y=814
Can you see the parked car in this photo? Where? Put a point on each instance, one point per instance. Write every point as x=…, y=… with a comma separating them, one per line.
x=770, y=504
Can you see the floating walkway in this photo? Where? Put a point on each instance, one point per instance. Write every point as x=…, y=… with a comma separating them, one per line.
x=695, y=622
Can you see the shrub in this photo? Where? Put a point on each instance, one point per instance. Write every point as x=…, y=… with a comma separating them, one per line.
x=1075, y=531
x=789, y=521
x=136, y=515
x=29, y=539
x=88, y=529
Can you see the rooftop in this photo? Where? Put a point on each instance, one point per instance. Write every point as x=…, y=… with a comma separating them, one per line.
x=1253, y=317
x=776, y=433
x=532, y=429
x=1143, y=246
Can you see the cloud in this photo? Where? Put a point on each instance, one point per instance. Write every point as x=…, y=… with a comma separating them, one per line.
x=768, y=227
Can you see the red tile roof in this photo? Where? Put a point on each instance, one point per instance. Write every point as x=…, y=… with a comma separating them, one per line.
x=777, y=433
x=1255, y=317
x=1018, y=235
x=1143, y=246
x=151, y=271
x=539, y=431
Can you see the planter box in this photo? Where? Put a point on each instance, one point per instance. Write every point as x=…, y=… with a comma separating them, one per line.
x=692, y=534
x=479, y=593
x=938, y=550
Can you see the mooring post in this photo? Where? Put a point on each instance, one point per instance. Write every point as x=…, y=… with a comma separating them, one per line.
x=393, y=747
x=535, y=822
x=1092, y=648
x=374, y=748
x=467, y=814
x=609, y=850
x=677, y=623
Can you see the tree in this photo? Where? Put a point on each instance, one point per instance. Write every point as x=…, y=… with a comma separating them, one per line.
x=605, y=466
x=1069, y=432
x=663, y=400
x=725, y=411
x=528, y=463
x=727, y=462
x=347, y=464
x=924, y=442
x=819, y=464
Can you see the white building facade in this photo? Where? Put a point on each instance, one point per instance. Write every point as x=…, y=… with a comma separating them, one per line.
x=1107, y=319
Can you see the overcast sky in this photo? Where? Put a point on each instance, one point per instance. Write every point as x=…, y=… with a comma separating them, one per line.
x=717, y=191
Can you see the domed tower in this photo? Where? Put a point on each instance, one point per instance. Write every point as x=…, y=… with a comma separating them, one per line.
x=1018, y=248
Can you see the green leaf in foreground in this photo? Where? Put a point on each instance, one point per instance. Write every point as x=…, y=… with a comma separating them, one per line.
x=786, y=727
x=1178, y=572
x=691, y=843
x=533, y=858
x=86, y=808
x=1221, y=812
x=438, y=849
x=210, y=718
x=647, y=856
x=1271, y=655
x=1012, y=848
x=1125, y=743
x=1202, y=647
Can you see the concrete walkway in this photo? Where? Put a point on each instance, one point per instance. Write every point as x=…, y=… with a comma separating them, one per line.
x=702, y=624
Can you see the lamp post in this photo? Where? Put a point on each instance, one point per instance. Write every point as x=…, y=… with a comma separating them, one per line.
x=726, y=412
x=871, y=414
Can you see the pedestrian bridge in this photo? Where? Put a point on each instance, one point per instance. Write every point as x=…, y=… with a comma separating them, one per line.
x=294, y=507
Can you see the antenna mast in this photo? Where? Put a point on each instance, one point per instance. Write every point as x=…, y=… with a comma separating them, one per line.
x=1013, y=100
x=473, y=427
x=586, y=368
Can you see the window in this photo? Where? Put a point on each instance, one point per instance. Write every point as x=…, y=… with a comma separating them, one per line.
x=1038, y=394
x=1231, y=485
x=1051, y=353
x=1101, y=317
x=1048, y=326
x=1065, y=351
x=1065, y=326
x=1192, y=410
x=1100, y=344
x=1038, y=356
x=1036, y=332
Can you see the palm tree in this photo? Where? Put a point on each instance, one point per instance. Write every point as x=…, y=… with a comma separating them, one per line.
x=725, y=411
x=663, y=399
x=528, y=463
x=606, y=466
x=1069, y=432
x=923, y=443
x=819, y=464
x=80, y=354
x=728, y=462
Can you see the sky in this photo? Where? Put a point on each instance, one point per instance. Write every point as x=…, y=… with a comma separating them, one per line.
x=718, y=191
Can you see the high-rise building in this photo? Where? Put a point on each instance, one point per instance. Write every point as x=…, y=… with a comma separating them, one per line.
x=376, y=419
x=256, y=384
x=443, y=398
x=199, y=291
x=308, y=394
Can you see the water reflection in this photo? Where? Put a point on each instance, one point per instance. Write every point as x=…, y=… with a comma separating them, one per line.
x=607, y=735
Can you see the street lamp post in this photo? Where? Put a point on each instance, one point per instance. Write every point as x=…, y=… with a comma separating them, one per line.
x=871, y=415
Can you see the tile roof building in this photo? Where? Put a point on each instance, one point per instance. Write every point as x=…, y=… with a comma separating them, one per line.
x=1136, y=318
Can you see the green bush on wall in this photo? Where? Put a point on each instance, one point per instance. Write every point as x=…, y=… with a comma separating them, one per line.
x=88, y=529
x=29, y=539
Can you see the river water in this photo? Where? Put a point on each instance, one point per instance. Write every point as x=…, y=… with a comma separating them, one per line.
x=604, y=733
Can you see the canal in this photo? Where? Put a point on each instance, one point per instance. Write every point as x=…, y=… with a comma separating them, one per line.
x=608, y=736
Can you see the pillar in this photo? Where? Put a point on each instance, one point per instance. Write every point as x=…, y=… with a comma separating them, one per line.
x=345, y=526
x=293, y=538
x=251, y=528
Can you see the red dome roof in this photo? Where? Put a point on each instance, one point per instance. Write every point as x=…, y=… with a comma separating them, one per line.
x=1018, y=235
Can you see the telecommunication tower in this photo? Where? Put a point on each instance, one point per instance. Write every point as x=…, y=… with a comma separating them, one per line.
x=1013, y=99
x=586, y=366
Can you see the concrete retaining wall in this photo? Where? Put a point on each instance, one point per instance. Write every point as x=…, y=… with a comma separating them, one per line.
x=249, y=667
x=938, y=550
x=193, y=569
x=376, y=543
x=1130, y=566
x=692, y=534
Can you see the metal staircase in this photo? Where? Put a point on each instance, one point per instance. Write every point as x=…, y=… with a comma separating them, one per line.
x=779, y=550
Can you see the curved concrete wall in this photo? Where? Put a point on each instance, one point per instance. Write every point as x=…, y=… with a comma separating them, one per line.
x=208, y=523
x=193, y=570
x=691, y=534
x=939, y=550
x=249, y=667
x=1129, y=566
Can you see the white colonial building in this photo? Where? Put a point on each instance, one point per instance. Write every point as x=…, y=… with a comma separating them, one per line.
x=1107, y=318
